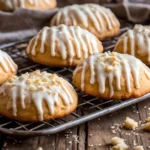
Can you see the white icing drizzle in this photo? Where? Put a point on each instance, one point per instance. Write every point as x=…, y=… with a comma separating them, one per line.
x=139, y=40
x=71, y=42
x=37, y=87
x=13, y=4
x=109, y=66
x=83, y=14
x=6, y=63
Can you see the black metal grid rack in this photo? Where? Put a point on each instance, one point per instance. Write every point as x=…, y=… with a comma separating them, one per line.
x=88, y=108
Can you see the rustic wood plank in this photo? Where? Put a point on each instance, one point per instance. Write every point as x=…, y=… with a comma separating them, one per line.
x=29, y=143
x=144, y=112
x=100, y=132
x=82, y=133
x=1, y=141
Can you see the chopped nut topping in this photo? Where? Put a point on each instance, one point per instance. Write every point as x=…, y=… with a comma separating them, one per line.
x=147, y=124
x=109, y=68
x=109, y=61
x=36, y=81
x=130, y=123
x=141, y=28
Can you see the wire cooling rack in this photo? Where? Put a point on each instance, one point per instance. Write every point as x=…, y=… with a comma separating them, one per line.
x=88, y=108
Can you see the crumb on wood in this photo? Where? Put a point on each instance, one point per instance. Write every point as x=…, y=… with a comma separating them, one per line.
x=39, y=148
x=140, y=147
x=118, y=144
x=147, y=124
x=130, y=124
x=5, y=144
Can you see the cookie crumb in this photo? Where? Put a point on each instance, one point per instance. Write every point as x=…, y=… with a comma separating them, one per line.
x=139, y=148
x=5, y=144
x=39, y=148
x=147, y=124
x=118, y=144
x=91, y=145
x=130, y=124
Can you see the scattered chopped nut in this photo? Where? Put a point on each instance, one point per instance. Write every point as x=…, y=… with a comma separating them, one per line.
x=121, y=146
x=90, y=145
x=118, y=144
x=116, y=140
x=147, y=124
x=139, y=148
x=148, y=119
x=130, y=124
x=39, y=148
x=5, y=144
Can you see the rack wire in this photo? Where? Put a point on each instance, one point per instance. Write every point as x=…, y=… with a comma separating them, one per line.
x=88, y=108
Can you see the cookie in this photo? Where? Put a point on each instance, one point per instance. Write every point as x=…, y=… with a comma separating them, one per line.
x=112, y=76
x=37, y=96
x=8, y=68
x=97, y=19
x=62, y=46
x=135, y=42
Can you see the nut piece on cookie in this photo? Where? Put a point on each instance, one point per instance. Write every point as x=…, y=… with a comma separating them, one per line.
x=37, y=96
x=130, y=124
x=97, y=19
x=118, y=144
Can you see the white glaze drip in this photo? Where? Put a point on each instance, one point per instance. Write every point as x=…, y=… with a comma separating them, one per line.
x=13, y=4
x=69, y=42
x=83, y=14
x=109, y=66
x=37, y=87
x=138, y=39
x=6, y=63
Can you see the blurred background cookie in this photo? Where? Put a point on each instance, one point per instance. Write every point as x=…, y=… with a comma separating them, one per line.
x=7, y=67
x=10, y=5
x=95, y=18
x=63, y=46
x=135, y=42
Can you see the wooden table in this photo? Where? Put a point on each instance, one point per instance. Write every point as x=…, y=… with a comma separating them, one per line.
x=93, y=135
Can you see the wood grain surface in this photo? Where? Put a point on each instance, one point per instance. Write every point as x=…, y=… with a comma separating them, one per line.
x=94, y=135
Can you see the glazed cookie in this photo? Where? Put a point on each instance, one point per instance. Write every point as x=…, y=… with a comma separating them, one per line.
x=62, y=46
x=7, y=67
x=112, y=76
x=10, y=5
x=37, y=96
x=136, y=42
x=92, y=17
